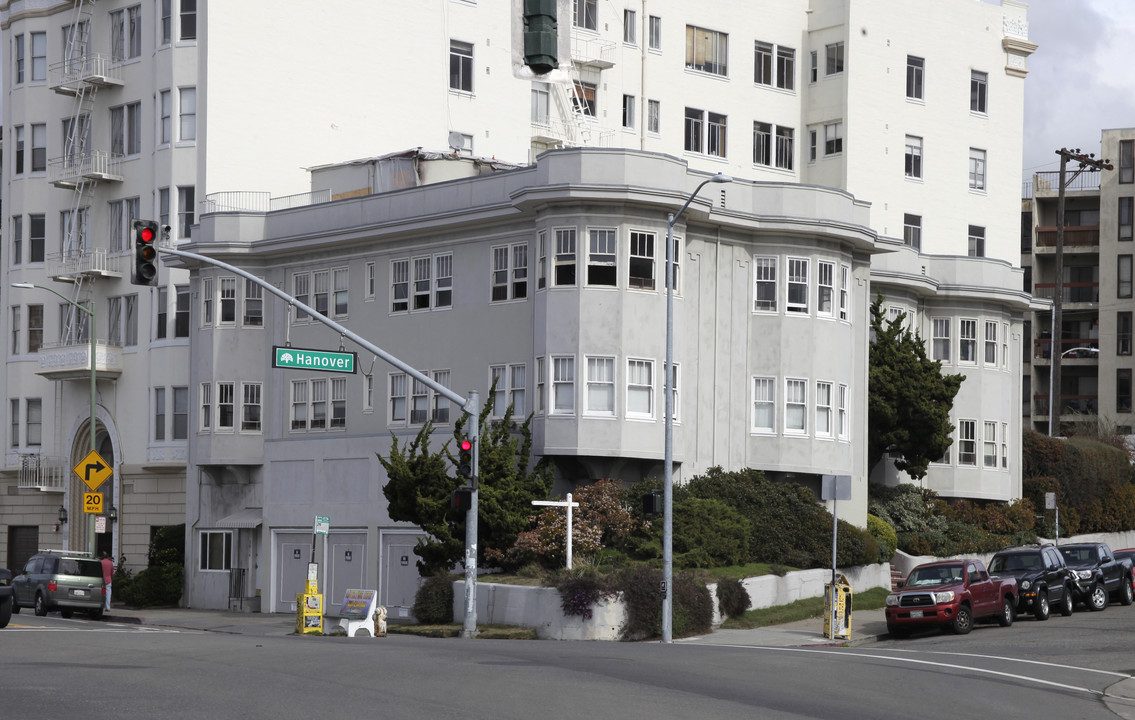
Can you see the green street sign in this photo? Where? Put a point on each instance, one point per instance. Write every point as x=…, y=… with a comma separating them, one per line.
x=294, y=358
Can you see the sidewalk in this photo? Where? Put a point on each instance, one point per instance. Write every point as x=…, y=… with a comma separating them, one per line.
x=867, y=626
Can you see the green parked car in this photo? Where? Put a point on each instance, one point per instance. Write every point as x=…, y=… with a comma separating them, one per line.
x=60, y=580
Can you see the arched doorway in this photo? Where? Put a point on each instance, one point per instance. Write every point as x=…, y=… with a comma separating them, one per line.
x=103, y=541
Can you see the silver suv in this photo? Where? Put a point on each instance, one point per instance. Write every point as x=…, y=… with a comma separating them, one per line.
x=60, y=580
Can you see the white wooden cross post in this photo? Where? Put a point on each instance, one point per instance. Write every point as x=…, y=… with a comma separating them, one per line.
x=569, y=505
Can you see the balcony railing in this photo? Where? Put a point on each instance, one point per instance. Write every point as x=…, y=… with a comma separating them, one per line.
x=40, y=472
x=593, y=52
x=97, y=165
x=97, y=69
x=1049, y=182
x=72, y=360
x=97, y=262
x=1070, y=405
x=1070, y=349
x=1071, y=292
x=1080, y=236
x=258, y=202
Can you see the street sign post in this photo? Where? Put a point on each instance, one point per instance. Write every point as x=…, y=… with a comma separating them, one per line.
x=93, y=470
x=293, y=358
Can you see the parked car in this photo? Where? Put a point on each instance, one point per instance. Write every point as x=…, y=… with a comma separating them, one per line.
x=1127, y=554
x=5, y=597
x=60, y=580
x=1043, y=579
x=1099, y=574
x=951, y=594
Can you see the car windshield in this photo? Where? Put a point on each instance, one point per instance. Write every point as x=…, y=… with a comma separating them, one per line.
x=1080, y=555
x=937, y=575
x=1015, y=562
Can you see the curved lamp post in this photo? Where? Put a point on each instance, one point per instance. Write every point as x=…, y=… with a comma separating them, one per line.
x=90, y=311
x=668, y=463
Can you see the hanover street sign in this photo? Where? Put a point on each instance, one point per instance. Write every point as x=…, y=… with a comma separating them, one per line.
x=306, y=359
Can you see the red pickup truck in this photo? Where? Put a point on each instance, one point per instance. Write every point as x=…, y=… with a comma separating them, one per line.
x=951, y=594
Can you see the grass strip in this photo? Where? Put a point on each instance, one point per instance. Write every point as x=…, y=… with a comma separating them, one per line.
x=803, y=610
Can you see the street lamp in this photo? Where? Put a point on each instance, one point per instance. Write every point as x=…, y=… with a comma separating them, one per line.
x=668, y=463
x=90, y=311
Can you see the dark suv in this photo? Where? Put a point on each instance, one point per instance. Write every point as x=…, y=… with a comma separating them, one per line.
x=1098, y=574
x=60, y=580
x=1043, y=578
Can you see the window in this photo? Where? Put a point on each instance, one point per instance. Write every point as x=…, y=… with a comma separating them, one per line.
x=762, y=72
x=310, y=406
x=510, y=382
x=797, y=285
x=161, y=311
x=812, y=142
x=967, y=341
x=122, y=212
x=368, y=275
x=583, y=102
x=35, y=328
x=398, y=388
x=1126, y=161
x=844, y=291
x=675, y=391
x=653, y=116
x=165, y=111
x=216, y=547
x=600, y=386
x=18, y=65
x=1123, y=333
x=564, y=270
x=823, y=409
x=976, y=169
x=585, y=14
x=563, y=385
x=785, y=68
x=39, y=148
x=977, y=87
x=14, y=416
x=825, y=288
x=541, y=98
x=17, y=326
x=399, y=286
x=1122, y=391
x=630, y=27
x=126, y=129
x=188, y=19
x=694, y=122
x=912, y=230
x=764, y=404
x=795, y=406
x=707, y=50
x=419, y=402
x=227, y=302
x=640, y=271
x=122, y=320
x=813, y=66
x=443, y=280
x=126, y=33
x=833, y=138
x=833, y=57
x=784, y=147
x=914, y=70
x=368, y=393
x=460, y=66
x=940, y=339
x=705, y=135
x=180, y=416
x=1126, y=205
x=339, y=292
x=628, y=112
x=39, y=56
x=976, y=241
x=654, y=41
x=913, y=157
x=844, y=421
x=541, y=260
x=253, y=304
x=181, y=311
x=640, y=388
x=541, y=389
x=163, y=206
x=17, y=239
x=166, y=22
x=1123, y=272
x=225, y=405
x=18, y=168
x=1004, y=445
x=187, y=113
x=185, y=204
x=601, y=254
x=967, y=442
x=207, y=299
x=206, y=406
x=440, y=413
x=250, y=394
x=762, y=143
x=716, y=137
x=991, y=343
x=989, y=445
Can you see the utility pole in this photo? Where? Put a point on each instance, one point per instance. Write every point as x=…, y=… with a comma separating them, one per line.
x=1087, y=163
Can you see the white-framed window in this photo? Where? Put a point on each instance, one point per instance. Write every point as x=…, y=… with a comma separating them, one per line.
x=978, y=84
x=250, y=406
x=707, y=50
x=784, y=75
x=181, y=311
x=833, y=138
x=813, y=66
x=185, y=203
x=640, y=262
x=165, y=22
x=225, y=405
x=33, y=422
x=976, y=169
x=14, y=418
x=764, y=404
x=785, y=147
x=762, y=63
x=319, y=404
x=976, y=241
x=630, y=27
x=159, y=414
x=600, y=386
x=227, y=301
x=833, y=58
x=1005, y=445
x=125, y=33
x=629, y=112
x=785, y=68
x=399, y=386
x=510, y=272
x=844, y=291
x=967, y=442
x=915, y=67
x=563, y=273
x=368, y=281
x=797, y=286
x=912, y=230
x=123, y=329
x=188, y=20
x=18, y=60
x=126, y=129
x=967, y=341
x=640, y=388
x=321, y=292
x=825, y=288
x=460, y=66
x=207, y=301
x=676, y=255
x=585, y=14
x=764, y=280
x=843, y=419
x=368, y=393
x=419, y=402
x=823, y=409
x=991, y=343
x=165, y=117
x=439, y=408
x=675, y=391
x=187, y=114
x=762, y=143
x=940, y=338
x=216, y=546
x=206, y=399
x=122, y=213
x=602, y=251
x=563, y=385
x=340, y=293
x=795, y=406
x=1005, y=345
x=541, y=260
x=653, y=117
x=399, y=285
x=584, y=100
x=18, y=167
x=510, y=385
x=253, y=304
x=705, y=133
x=813, y=143
x=541, y=386
x=989, y=445
x=654, y=30
x=913, y=157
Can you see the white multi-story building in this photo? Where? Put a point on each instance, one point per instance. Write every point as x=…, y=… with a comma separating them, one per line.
x=913, y=109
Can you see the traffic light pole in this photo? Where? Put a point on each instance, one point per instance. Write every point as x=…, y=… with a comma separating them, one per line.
x=470, y=406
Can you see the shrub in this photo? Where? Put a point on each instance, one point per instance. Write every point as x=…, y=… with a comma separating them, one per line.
x=433, y=603
x=885, y=536
x=579, y=591
x=160, y=585
x=732, y=598
x=709, y=533
x=640, y=585
x=168, y=546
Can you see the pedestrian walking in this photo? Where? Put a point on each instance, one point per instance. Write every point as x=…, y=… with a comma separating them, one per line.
x=107, y=576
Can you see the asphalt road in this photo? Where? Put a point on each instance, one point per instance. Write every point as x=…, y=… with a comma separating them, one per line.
x=55, y=668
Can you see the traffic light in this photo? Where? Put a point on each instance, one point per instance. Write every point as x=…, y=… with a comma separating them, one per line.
x=652, y=503
x=145, y=253
x=462, y=499
x=465, y=460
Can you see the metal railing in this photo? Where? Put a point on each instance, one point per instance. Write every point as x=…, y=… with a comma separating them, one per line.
x=86, y=261
x=1049, y=181
x=257, y=202
x=92, y=68
x=41, y=472
x=97, y=165
x=1082, y=292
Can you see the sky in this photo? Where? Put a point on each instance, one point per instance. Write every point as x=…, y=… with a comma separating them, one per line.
x=1081, y=78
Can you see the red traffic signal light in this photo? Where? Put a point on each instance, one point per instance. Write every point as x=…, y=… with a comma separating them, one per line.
x=462, y=499
x=145, y=270
x=465, y=460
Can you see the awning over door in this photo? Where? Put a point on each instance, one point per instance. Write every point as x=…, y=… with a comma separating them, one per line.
x=242, y=519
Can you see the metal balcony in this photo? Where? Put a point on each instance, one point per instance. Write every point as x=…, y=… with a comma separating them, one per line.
x=95, y=166
x=593, y=53
x=39, y=472
x=72, y=360
x=69, y=266
x=90, y=70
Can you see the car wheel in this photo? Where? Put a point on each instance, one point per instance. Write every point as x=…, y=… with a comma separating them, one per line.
x=1125, y=596
x=15, y=606
x=66, y=612
x=1097, y=598
x=897, y=631
x=1040, y=606
x=1067, y=605
x=40, y=605
x=963, y=621
x=6, y=612
x=1005, y=619
x=96, y=614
